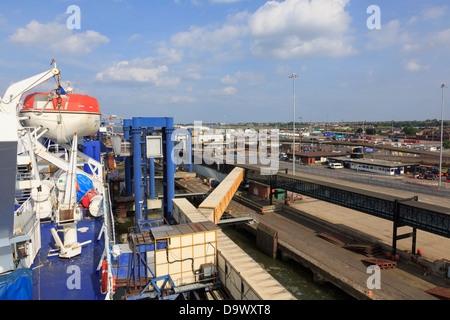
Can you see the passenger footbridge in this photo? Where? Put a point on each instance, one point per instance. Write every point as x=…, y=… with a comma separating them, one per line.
x=403, y=212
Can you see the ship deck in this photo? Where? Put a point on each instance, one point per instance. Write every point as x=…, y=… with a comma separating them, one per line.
x=55, y=278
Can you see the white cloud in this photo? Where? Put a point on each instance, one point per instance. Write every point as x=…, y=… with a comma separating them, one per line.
x=187, y=99
x=412, y=21
x=57, y=38
x=224, y=1
x=249, y=77
x=285, y=30
x=390, y=34
x=410, y=47
x=228, y=80
x=434, y=13
x=138, y=70
x=412, y=65
x=208, y=38
x=169, y=55
x=301, y=28
x=3, y=20
x=441, y=38
x=134, y=37
x=193, y=75
x=224, y=91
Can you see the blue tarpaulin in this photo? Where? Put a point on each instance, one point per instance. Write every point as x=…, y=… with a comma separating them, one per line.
x=84, y=185
x=17, y=285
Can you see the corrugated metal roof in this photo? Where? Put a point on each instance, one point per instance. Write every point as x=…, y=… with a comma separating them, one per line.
x=184, y=205
x=261, y=282
x=189, y=210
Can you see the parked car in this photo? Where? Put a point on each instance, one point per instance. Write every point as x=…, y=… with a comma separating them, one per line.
x=335, y=165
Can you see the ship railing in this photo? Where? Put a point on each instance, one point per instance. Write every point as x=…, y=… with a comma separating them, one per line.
x=22, y=195
x=21, y=219
x=109, y=216
x=109, y=235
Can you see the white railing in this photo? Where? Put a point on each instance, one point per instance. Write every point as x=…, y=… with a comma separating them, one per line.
x=109, y=234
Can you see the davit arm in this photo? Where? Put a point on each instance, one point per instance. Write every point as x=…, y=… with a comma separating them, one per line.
x=15, y=92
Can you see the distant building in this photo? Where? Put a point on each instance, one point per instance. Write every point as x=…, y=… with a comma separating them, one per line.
x=313, y=157
x=287, y=147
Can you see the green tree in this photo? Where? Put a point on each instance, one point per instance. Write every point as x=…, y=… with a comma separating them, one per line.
x=410, y=131
x=371, y=131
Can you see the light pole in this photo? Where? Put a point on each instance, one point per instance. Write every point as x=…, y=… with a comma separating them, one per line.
x=293, y=76
x=300, y=135
x=443, y=86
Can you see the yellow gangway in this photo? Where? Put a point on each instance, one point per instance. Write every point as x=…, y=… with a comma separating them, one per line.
x=215, y=204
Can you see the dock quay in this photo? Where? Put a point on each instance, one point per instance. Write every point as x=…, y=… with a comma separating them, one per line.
x=298, y=240
x=299, y=224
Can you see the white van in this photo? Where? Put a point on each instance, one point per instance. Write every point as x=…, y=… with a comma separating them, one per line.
x=335, y=165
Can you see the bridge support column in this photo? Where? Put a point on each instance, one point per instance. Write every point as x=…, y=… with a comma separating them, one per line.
x=271, y=186
x=398, y=224
x=318, y=278
x=267, y=240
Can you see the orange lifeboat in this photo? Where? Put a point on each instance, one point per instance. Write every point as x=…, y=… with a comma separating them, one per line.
x=62, y=115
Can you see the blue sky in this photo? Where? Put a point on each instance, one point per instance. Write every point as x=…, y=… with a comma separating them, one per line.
x=230, y=60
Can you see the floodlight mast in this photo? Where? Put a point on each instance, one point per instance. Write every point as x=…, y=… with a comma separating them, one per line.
x=293, y=76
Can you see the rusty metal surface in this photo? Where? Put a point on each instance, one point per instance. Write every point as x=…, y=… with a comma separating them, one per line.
x=367, y=249
x=339, y=241
x=382, y=263
x=440, y=292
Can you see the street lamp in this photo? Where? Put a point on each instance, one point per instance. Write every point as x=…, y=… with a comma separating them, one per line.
x=443, y=86
x=293, y=76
